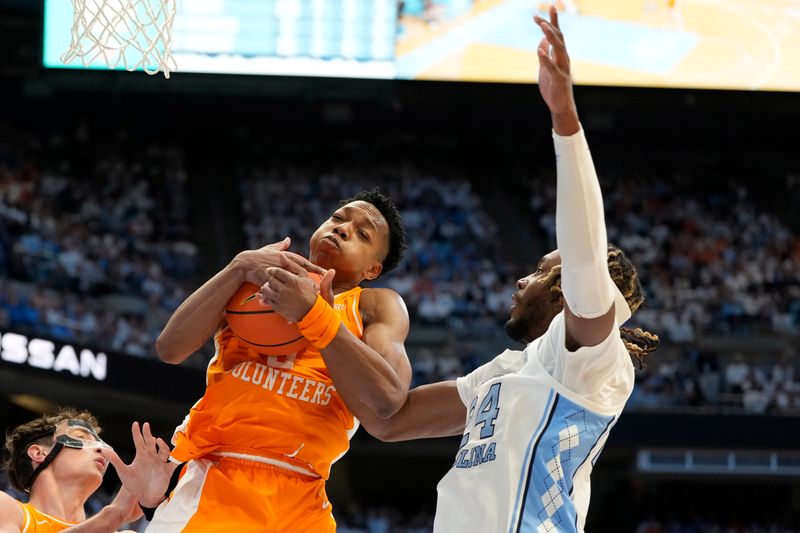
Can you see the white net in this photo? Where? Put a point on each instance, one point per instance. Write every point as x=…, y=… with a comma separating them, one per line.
x=130, y=34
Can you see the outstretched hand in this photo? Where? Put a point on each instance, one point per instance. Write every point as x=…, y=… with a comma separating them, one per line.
x=555, y=79
x=147, y=477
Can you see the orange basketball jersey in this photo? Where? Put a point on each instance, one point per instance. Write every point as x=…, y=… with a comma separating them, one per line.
x=281, y=408
x=35, y=521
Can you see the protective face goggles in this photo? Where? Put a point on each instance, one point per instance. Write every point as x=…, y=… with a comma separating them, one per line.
x=78, y=435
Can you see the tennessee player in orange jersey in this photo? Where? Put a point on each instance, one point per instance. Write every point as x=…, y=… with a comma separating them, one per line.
x=260, y=442
x=60, y=460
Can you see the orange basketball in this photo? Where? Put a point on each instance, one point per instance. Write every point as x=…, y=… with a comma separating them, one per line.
x=261, y=327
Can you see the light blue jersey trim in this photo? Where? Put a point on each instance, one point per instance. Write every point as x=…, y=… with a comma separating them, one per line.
x=547, y=408
x=568, y=439
x=594, y=459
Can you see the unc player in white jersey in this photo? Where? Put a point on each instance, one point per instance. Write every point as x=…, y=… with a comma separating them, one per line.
x=534, y=421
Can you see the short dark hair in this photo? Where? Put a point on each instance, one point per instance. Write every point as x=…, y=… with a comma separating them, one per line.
x=40, y=431
x=397, y=229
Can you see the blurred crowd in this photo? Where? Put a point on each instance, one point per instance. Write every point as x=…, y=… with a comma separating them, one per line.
x=701, y=378
x=93, y=249
x=710, y=261
x=97, y=249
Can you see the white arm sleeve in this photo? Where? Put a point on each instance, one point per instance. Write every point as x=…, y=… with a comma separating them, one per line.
x=581, y=229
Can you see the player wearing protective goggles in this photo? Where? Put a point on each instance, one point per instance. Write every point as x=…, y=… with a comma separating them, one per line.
x=72, y=433
x=60, y=460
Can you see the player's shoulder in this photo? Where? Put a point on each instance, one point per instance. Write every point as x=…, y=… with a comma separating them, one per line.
x=380, y=295
x=379, y=301
x=508, y=362
x=554, y=345
x=11, y=514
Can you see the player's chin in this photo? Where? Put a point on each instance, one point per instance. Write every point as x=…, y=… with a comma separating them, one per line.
x=325, y=247
x=515, y=329
x=322, y=259
x=96, y=476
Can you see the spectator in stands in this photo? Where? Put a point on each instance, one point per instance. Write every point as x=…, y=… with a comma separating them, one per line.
x=696, y=380
x=104, y=231
x=736, y=374
x=699, y=253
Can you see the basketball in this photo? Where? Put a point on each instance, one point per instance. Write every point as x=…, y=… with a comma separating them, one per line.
x=262, y=328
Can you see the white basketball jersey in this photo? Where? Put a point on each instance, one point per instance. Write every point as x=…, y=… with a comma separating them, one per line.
x=536, y=422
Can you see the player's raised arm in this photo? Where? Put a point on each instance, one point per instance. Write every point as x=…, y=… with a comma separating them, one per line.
x=196, y=319
x=580, y=226
x=555, y=79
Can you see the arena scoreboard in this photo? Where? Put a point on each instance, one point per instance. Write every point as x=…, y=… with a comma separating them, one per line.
x=718, y=44
x=338, y=38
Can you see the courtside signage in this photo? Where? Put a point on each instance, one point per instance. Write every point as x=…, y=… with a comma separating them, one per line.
x=53, y=356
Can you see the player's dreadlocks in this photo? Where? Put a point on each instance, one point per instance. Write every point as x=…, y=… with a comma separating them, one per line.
x=638, y=342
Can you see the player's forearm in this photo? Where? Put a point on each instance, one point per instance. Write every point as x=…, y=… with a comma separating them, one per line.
x=366, y=381
x=429, y=411
x=566, y=123
x=581, y=229
x=198, y=316
x=107, y=520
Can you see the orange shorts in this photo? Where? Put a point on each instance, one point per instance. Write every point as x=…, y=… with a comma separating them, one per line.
x=228, y=494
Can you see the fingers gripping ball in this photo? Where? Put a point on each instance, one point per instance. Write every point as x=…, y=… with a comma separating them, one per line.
x=263, y=329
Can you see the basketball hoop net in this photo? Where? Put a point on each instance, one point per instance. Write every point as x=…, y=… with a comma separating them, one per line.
x=132, y=34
